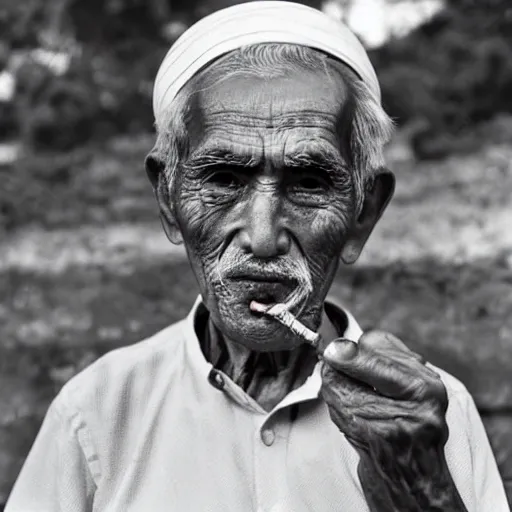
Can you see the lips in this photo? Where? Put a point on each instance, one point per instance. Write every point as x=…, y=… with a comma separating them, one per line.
x=266, y=290
x=263, y=277
x=260, y=279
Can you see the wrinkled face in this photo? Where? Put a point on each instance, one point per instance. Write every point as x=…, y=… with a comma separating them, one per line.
x=264, y=197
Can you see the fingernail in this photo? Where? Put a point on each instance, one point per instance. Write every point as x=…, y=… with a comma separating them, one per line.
x=340, y=350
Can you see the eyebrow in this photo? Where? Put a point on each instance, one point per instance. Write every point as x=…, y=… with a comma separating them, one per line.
x=313, y=158
x=318, y=159
x=212, y=157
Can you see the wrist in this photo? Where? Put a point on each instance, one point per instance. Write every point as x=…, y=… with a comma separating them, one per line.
x=408, y=479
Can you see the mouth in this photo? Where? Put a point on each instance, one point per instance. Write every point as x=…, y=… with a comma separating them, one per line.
x=280, y=313
x=267, y=292
x=264, y=278
x=267, y=286
x=262, y=290
x=264, y=300
x=259, y=309
x=263, y=287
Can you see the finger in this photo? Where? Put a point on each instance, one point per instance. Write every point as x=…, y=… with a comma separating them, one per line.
x=376, y=341
x=397, y=377
x=342, y=387
x=348, y=393
x=340, y=348
x=382, y=340
x=357, y=409
x=354, y=405
x=392, y=347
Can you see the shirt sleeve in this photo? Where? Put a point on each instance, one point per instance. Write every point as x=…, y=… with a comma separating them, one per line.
x=489, y=490
x=55, y=476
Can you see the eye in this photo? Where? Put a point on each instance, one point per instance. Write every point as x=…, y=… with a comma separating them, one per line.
x=310, y=181
x=225, y=179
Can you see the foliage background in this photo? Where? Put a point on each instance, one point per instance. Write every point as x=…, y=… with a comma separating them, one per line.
x=85, y=268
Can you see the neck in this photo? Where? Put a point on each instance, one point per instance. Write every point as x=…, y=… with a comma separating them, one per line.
x=268, y=377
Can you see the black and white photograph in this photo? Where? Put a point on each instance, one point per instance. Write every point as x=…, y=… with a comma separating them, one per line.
x=255, y=256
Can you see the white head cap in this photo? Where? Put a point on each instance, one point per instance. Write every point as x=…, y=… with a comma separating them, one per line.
x=252, y=23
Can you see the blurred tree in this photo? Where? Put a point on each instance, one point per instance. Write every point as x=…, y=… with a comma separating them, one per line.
x=448, y=75
x=452, y=73
x=114, y=47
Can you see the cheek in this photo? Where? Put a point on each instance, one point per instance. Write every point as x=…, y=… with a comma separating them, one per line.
x=329, y=229
x=200, y=221
x=323, y=245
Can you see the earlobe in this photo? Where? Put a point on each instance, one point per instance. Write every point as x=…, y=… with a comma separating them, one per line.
x=375, y=202
x=171, y=230
x=351, y=252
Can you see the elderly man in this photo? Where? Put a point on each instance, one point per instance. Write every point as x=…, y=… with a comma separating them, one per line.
x=268, y=166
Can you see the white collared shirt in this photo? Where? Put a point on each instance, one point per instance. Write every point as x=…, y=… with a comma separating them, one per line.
x=153, y=427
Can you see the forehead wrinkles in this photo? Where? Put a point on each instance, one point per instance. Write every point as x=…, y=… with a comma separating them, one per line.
x=265, y=117
x=299, y=99
x=273, y=103
x=278, y=121
x=259, y=138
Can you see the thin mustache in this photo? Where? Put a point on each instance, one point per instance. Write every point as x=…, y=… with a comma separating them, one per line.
x=281, y=272
x=289, y=271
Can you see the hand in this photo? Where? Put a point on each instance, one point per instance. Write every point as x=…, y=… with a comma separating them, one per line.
x=391, y=407
x=380, y=389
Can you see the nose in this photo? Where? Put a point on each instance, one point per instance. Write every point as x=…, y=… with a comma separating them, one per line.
x=263, y=234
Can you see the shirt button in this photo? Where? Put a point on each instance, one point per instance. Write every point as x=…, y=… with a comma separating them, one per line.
x=268, y=437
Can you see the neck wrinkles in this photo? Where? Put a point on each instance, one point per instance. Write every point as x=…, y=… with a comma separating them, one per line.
x=267, y=377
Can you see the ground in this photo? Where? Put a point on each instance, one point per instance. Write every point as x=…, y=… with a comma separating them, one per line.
x=85, y=267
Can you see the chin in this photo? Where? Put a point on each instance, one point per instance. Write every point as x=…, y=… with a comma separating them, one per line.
x=256, y=331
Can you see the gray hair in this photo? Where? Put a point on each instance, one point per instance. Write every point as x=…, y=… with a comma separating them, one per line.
x=370, y=128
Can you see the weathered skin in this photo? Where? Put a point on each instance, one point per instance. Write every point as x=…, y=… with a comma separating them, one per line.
x=391, y=407
x=265, y=184
x=270, y=211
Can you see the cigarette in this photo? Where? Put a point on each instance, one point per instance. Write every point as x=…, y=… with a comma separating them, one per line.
x=280, y=312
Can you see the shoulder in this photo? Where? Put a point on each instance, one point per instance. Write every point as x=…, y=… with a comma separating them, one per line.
x=124, y=372
x=469, y=454
x=103, y=408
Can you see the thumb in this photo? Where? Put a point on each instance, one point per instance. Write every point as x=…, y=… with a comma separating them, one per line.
x=340, y=351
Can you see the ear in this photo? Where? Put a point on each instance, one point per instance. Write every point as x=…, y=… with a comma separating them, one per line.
x=375, y=202
x=155, y=168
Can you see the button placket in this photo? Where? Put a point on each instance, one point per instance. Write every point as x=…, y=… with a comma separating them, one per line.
x=267, y=458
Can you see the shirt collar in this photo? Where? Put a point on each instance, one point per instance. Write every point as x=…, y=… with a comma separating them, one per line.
x=308, y=391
